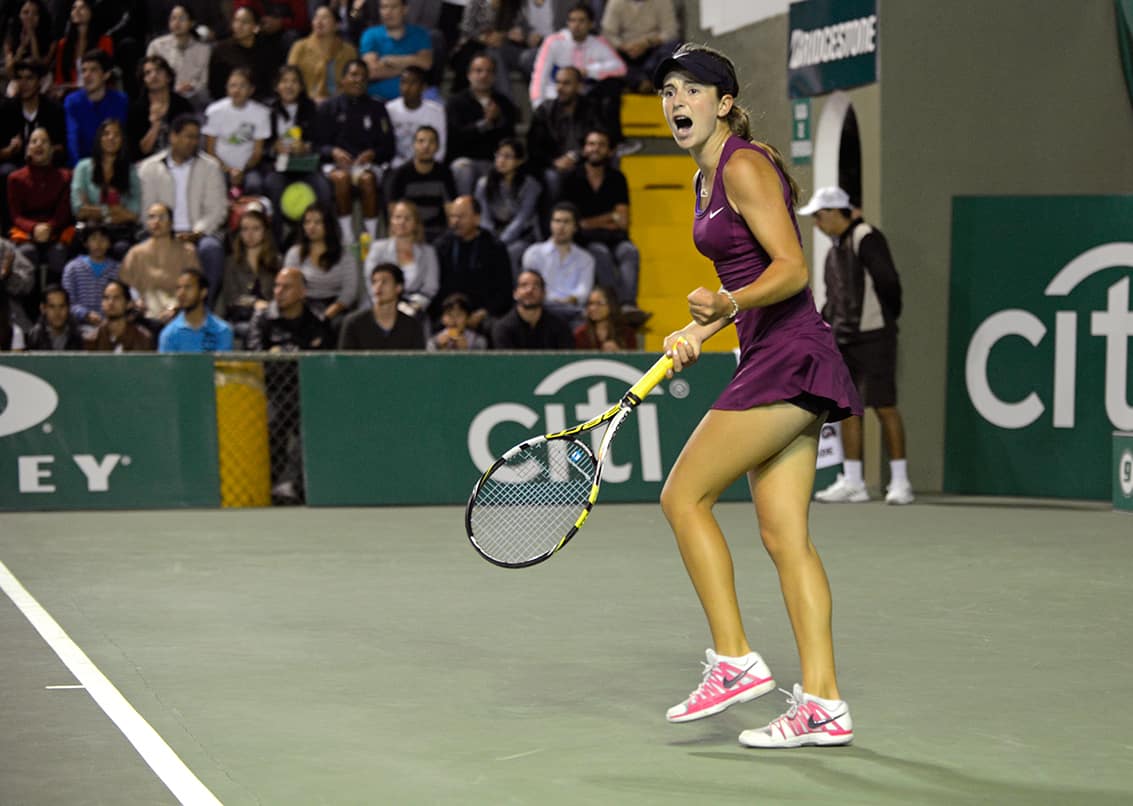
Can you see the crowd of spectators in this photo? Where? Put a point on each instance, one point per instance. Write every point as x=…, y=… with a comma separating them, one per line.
x=293, y=175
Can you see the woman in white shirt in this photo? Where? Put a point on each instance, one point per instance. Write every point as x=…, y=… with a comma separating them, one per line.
x=236, y=129
x=406, y=248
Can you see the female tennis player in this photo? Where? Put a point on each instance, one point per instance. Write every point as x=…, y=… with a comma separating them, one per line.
x=766, y=422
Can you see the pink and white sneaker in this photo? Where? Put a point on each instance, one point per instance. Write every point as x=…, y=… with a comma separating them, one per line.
x=724, y=685
x=807, y=722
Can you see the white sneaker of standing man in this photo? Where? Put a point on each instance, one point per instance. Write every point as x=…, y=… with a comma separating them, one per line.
x=843, y=491
x=899, y=492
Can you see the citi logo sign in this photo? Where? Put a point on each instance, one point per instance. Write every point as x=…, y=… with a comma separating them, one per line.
x=555, y=417
x=1113, y=324
x=28, y=401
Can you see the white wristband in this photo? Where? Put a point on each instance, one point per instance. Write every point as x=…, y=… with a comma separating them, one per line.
x=731, y=299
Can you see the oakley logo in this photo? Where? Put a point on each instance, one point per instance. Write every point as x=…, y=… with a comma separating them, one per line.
x=29, y=401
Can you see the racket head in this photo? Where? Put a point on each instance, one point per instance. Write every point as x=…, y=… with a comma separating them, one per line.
x=532, y=501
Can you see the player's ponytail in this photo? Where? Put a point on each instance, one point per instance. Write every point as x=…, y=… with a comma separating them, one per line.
x=739, y=121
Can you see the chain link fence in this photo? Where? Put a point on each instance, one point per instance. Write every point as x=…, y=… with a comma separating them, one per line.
x=259, y=430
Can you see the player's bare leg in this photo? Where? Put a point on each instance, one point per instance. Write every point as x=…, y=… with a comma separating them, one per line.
x=781, y=492
x=723, y=447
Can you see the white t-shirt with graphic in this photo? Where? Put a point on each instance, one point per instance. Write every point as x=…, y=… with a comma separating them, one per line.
x=406, y=122
x=236, y=130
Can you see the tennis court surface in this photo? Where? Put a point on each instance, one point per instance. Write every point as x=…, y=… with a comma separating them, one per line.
x=369, y=656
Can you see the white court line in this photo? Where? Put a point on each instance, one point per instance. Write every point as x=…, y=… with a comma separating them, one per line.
x=520, y=755
x=157, y=754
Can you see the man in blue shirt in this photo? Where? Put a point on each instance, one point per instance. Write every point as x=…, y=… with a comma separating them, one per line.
x=194, y=329
x=566, y=268
x=85, y=109
x=392, y=46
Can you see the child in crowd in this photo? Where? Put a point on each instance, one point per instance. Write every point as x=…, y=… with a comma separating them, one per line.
x=86, y=276
x=456, y=335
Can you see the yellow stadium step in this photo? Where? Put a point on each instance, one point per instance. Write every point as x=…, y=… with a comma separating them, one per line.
x=642, y=117
x=661, y=215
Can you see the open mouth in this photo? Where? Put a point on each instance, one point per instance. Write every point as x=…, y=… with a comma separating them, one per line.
x=682, y=123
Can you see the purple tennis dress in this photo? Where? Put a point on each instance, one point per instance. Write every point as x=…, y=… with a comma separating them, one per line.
x=787, y=352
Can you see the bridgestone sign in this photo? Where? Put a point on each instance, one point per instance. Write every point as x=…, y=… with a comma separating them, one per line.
x=833, y=45
x=843, y=41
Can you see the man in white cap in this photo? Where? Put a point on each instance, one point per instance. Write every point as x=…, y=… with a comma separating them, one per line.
x=863, y=301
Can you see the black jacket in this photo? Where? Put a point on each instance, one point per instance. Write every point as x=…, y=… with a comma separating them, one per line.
x=355, y=124
x=469, y=135
x=479, y=268
x=269, y=330
x=39, y=337
x=549, y=333
x=49, y=116
x=138, y=125
x=554, y=132
x=863, y=291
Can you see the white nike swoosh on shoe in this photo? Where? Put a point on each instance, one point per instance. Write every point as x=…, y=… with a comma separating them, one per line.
x=716, y=212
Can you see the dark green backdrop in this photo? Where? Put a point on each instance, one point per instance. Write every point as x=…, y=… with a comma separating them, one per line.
x=156, y=414
x=1006, y=251
x=400, y=430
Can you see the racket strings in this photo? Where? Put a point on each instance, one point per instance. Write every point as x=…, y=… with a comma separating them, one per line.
x=612, y=431
x=525, y=508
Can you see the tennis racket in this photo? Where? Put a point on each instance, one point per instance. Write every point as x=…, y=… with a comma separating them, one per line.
x=535, y=497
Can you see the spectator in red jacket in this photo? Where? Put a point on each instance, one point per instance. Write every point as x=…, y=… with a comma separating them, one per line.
x=39, y=199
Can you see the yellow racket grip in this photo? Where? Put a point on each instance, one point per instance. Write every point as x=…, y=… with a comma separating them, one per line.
x=654, y=376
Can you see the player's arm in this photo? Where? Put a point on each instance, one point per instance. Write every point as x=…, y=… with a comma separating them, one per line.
x=752, y=185
x=684, y=345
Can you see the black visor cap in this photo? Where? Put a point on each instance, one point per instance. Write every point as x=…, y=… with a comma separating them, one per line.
x=704, y=68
